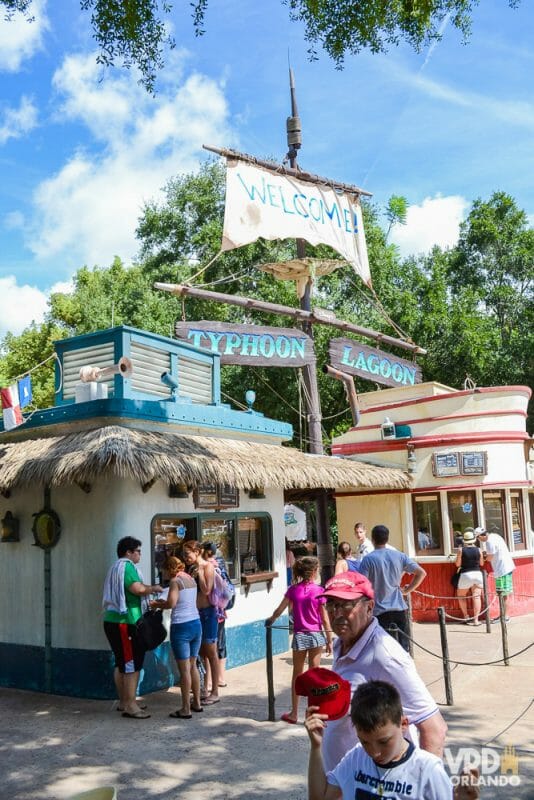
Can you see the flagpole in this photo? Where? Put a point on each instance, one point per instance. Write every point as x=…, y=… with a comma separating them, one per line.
x=309, y=372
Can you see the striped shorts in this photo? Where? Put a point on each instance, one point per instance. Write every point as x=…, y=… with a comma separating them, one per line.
x=504, y=585
x=309, y=640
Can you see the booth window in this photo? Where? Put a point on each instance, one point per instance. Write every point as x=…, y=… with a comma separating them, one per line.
x=462, y=514
x=245, y=541
x=494, y=513
x=428, y=530
x=518, y=521
x=168, y=535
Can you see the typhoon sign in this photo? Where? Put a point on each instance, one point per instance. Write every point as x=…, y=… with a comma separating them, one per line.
x=252, y=345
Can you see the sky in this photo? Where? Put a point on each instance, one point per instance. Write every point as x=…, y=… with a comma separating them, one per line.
x=82, y=149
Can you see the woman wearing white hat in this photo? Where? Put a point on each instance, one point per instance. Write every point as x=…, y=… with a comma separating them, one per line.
x=469, y=560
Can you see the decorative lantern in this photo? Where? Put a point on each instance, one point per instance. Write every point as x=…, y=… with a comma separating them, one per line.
x=10, y=528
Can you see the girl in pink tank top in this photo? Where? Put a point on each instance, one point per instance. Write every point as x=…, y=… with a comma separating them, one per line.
x=311, y=629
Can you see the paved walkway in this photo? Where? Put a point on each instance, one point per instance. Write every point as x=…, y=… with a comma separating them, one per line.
x=52, y=747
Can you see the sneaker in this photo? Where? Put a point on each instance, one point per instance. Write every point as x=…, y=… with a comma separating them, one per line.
x=498, y=619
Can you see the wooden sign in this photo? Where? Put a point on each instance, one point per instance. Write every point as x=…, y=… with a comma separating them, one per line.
x=445, y=465
x=474, y=463
x=374, y=365
x=212, y=496
x=250, y=345
x=206, y=496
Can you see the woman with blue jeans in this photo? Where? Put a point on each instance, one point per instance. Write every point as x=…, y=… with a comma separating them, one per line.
x=204, y=574
x=186, y=633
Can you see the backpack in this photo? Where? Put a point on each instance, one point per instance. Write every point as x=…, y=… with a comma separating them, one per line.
x=222, y=594
x=224, y=573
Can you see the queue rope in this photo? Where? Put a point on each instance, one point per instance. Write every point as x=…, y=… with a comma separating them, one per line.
x=397, y=630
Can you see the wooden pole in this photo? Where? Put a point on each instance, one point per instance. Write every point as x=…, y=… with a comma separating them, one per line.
x=325, y=552
x=281, y=169
x=313, y=317
x=445, y=652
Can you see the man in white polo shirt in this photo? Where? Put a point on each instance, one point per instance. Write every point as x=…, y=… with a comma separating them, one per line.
x=364, y=651
x=496, y=551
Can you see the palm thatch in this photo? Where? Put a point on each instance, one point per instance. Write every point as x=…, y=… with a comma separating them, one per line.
x=149, y=456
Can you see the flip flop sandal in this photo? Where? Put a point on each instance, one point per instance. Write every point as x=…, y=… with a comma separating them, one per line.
x=177, y=715
x=143, y=708
x=210, y=701
x=197, y=710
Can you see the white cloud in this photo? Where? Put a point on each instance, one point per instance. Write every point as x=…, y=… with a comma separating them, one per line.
x=20, y=305
x=21, y=39
x=88, y=211
x=18, y=121
x=435, y=222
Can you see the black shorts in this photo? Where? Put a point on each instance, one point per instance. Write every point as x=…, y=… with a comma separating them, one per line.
x=128, y=651
x=221, y=640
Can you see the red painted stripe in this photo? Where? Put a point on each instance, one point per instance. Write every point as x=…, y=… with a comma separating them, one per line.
x=483, y=390
x=126, y=642
x=433, y=489
x=441, y=419
x=422, y=442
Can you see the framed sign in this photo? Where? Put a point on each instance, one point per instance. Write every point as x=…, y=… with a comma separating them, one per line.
x=206, y=496
x=228, y=496
x=213, y=496
x=444, y=465
x=474, y=463
x=354, y=358
x=249, y=345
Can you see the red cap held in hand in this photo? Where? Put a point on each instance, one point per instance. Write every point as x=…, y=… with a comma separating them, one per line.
x=326, y=689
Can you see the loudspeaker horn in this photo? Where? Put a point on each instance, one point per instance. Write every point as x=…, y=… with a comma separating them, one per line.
x=123, y=367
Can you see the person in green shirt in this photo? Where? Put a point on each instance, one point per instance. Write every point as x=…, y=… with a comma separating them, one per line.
x=122, y=603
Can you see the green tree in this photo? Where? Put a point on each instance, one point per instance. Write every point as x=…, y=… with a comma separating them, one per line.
x=133, y=32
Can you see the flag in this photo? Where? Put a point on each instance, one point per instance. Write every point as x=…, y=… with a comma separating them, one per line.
x=25, y=391
x=261, y=203
x=10, y=407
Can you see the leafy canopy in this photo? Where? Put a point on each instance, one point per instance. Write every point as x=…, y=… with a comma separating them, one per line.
x=133, y=32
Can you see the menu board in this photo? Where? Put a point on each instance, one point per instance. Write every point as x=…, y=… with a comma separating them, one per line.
x=474, y=463
x=213, y=496
x=445, y=464
x=206, y=496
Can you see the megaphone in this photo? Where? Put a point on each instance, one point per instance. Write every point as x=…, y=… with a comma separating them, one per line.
x=123, y=367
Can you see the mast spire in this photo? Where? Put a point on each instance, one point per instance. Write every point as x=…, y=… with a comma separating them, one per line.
x=293, y=126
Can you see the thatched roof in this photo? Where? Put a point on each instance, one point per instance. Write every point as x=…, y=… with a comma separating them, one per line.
x=174, y=458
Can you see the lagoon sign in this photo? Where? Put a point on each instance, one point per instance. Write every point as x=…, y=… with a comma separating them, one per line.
x=251, y=345
x=374, y=365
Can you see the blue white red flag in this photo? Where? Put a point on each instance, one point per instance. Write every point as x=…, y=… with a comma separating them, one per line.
x=11, y=412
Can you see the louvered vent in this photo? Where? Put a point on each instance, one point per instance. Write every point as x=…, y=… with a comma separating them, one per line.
x=195, y=380
x=148, y=364
x=101, y=355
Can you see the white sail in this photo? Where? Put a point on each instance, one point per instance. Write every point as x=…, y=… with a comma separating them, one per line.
x=261, y=203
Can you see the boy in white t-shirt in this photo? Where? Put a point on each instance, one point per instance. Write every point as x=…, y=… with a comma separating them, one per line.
x=384, y=763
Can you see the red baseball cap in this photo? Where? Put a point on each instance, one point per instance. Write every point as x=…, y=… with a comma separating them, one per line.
x=349, y=586
x=326, y=689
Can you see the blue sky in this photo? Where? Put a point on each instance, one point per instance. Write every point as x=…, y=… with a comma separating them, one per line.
x=82, y=149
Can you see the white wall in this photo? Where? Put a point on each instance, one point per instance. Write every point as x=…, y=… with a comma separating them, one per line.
x=91, y=525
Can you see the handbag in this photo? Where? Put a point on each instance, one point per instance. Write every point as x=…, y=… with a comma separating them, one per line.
x=151, y=631
x=455, y=577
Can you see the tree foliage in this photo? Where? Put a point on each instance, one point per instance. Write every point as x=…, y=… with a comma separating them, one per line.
x=133, y=32
x=471, y=307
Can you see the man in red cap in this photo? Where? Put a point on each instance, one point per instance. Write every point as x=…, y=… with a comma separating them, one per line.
x=364, y=651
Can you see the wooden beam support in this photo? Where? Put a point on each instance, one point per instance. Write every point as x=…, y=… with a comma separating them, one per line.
x=282, y=169
x=315, y=317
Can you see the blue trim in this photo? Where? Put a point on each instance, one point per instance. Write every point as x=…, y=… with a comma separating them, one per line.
x=162, y=411
x=89, y=673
